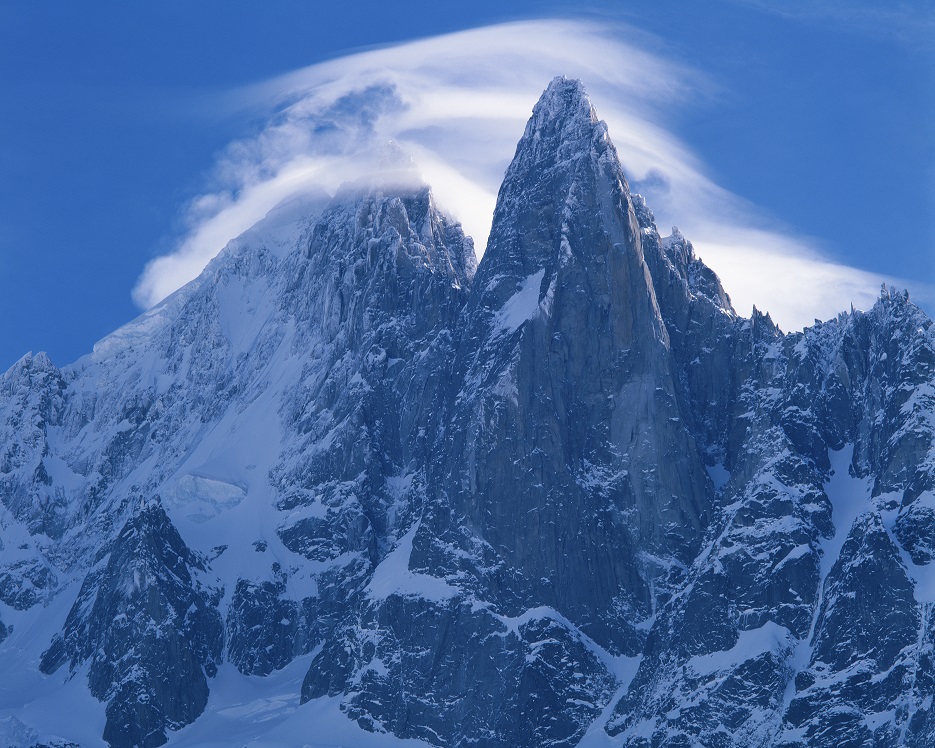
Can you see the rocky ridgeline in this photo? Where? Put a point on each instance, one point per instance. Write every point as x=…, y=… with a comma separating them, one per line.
x=567, y=496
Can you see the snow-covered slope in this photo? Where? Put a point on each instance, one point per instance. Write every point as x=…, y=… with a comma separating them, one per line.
x=344, y=490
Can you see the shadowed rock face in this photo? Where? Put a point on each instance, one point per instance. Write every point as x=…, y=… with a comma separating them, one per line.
x=568, y=498
x=541, y=682
x=148, y=630
x=33, y=403
x=862, y=660
x=772, y=633
x=566, y=418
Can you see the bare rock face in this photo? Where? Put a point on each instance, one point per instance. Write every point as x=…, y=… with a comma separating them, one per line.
x=771, y=635
x=263, y=626
x=864, y=648
x=554, y=462
x=560, y=454
x=563, y=497
x=33, y=403
x=542, y=682
x=148, y=631
x=378, y=291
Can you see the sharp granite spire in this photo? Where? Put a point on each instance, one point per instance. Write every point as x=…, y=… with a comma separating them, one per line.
x=570, y=499
x=554, y=427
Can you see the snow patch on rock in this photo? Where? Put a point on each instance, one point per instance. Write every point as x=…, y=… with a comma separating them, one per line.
x=393, y=577
x=521, y=306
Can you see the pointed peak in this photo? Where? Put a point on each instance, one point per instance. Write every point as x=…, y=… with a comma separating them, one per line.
x=39, y=361
x=31, y=366
x=562, y=131
x=563, y=83
x=564, y=161
x=379, y=222
x=565, y=97
x=644, y=215
x=563, y=113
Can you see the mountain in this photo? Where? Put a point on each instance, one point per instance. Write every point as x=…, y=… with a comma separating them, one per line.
x=352, y=487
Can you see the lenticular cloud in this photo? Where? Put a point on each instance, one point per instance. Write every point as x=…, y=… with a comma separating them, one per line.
x=457, y=104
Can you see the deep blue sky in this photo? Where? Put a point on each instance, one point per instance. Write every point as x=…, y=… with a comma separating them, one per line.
x=825, y=121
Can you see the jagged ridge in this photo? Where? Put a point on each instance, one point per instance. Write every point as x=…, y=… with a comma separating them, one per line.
x=568, y=499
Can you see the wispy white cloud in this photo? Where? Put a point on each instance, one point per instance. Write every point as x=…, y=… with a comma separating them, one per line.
x=458, y=103
x=789, y=280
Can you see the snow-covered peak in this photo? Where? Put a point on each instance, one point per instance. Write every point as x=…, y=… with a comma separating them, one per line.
x=564, y=103
x=549, y=504
x=561, y=128
x=30, y=364
x=564, y=202
x=405, y=218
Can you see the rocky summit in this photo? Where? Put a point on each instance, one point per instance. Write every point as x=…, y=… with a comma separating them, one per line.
x=350, y=487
